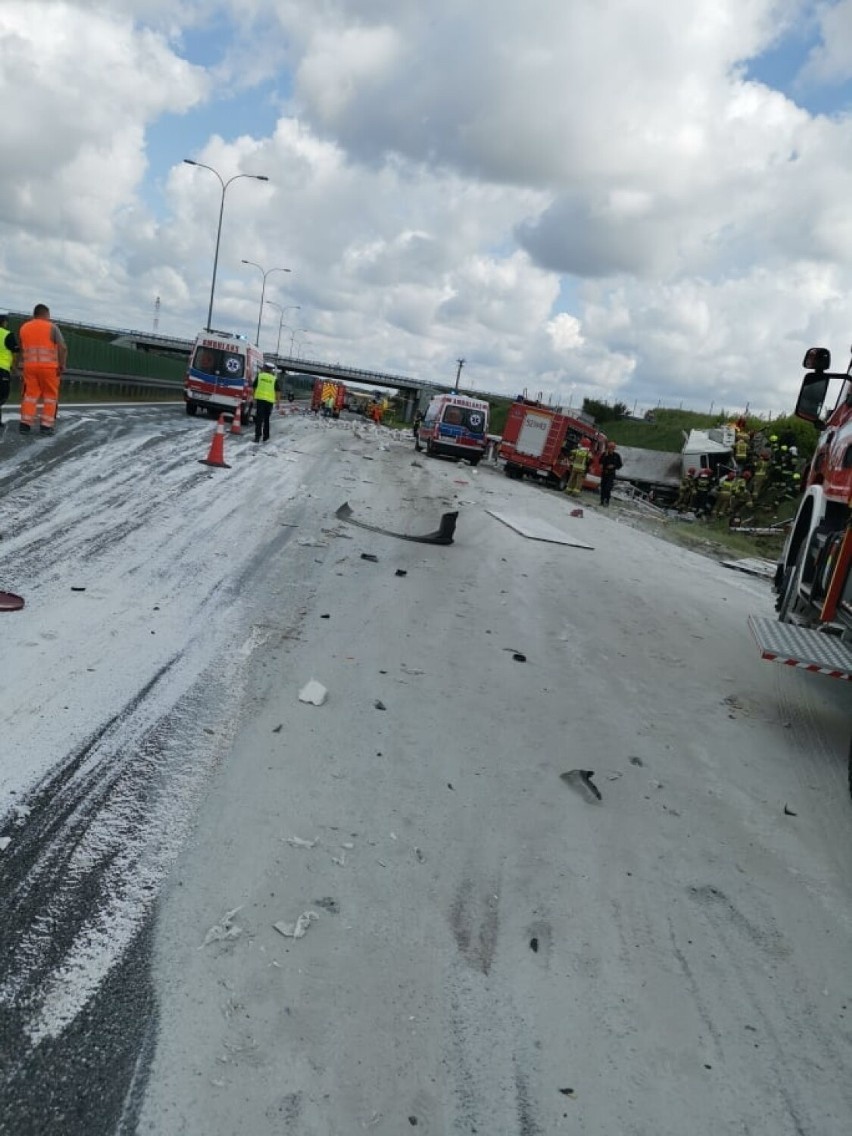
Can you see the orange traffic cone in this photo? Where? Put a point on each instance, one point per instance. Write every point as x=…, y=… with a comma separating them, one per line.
x=216, y=453
x=236, y=422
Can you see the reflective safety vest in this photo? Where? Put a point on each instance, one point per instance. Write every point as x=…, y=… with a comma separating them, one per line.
x=37, y=342
x=6, y=356
x=580, y=458
x=265, y=389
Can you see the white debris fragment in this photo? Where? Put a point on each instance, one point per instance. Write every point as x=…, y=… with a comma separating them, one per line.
x=313, y=692
x=21, y=812
x=339, y=860
x=5, y=841
x=298, y=929
x=224, y=929
x=298, y=842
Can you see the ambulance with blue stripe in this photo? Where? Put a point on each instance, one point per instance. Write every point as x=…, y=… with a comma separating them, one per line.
x=456, y=426
x=221, y=373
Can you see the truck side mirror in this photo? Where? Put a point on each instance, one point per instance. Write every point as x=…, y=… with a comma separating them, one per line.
x=817, y=359
x=812, y=397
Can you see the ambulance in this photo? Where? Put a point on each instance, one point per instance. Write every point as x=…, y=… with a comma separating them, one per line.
x=454, y=425
x=221, y=373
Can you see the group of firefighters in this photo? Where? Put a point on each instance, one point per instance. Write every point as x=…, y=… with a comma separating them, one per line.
x=766, y=472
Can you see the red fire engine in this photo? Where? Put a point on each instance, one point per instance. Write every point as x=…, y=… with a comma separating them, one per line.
x=537, y=441
x=813, y=580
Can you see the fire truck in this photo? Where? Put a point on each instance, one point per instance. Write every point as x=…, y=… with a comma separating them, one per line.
x=325, y=389
x=537, y=441
x=813, y=583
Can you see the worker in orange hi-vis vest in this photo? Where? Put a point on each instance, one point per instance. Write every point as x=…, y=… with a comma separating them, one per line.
x=43, y=357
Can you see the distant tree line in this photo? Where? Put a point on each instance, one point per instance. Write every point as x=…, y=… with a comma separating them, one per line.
x=603, y=412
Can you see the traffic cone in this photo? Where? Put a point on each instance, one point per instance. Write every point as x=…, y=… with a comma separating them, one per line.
x=216, y=453
x=236, y=421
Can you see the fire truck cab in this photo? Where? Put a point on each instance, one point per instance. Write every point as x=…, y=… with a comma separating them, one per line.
x=813, y=580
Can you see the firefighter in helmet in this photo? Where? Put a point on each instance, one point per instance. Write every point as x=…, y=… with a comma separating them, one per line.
x=703, y=485
x=686, y=492
x=580, y=458
x=722, y=506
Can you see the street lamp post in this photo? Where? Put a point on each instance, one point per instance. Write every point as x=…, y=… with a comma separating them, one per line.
x=262, y=293
x=296, y=331
x=290, y=308
x=224, y=185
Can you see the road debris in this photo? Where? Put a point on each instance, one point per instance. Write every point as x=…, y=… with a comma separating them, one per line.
x=442, y=535
x=370, y=556
x=535, y=529
x=5, y=841
x=379, y=705
x=400, y=572
x=789, y=812
x=584, y=777
x=568, y=1093
x=299, y=929
x=298, y=842
x=226, y=928
x=519, y=657
x=313, y=692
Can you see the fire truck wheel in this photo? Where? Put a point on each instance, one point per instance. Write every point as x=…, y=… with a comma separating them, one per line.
x=562, y=484
x=418, y=447
x=475, y=460
x=192, y=409
x=430, y=449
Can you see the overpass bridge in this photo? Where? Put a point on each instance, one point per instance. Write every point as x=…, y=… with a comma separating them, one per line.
x=415, y=390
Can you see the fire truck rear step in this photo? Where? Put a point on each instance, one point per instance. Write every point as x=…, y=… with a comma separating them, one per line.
x=802, y=647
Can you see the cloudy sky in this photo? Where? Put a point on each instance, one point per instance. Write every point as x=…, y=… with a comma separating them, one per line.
x=636, y=200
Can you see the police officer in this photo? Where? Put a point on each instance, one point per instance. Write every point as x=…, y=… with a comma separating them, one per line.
x=8, y=350
x=264, y=400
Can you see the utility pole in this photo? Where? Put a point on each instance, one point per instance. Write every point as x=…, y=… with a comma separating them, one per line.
x=458, y=374
x=156, y=313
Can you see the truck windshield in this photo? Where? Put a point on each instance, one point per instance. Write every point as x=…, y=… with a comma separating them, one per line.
x=468, y=417
x=215, y=362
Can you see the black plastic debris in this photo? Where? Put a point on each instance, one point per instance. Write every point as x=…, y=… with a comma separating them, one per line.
x=400, y=572
x=534, y=944
x=379, y=705
x=326, y=615
x=789, y=812
x=370, y=556
x=76, y=588
x=636, y=761
x=584, y=777
x=442, y=535
x=519, y=658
